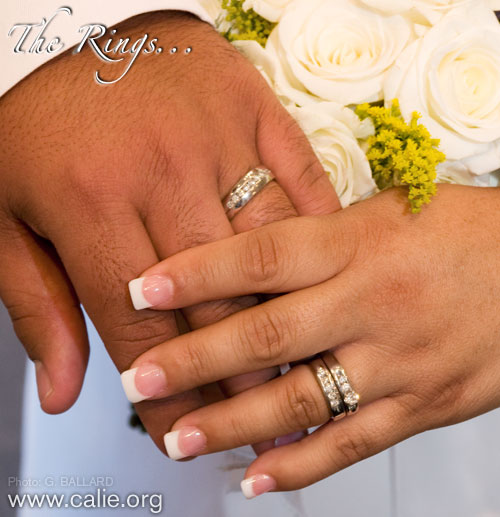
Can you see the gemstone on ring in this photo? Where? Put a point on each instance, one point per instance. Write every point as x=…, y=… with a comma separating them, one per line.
x=349, y=397
x=247, y=188
x=328, y=387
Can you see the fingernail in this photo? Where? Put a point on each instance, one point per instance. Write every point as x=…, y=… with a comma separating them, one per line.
x=150, y=291
x=186, y=442
x=257, y=485
x=144, y=382
x=43, y=382
x=290, y=438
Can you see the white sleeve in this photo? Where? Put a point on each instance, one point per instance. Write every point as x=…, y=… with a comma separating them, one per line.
x=16, y=66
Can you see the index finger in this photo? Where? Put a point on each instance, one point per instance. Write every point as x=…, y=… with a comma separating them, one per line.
x=281, y=257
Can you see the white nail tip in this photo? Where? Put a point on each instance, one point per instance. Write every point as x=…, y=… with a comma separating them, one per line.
x=136, y=294
x=172, y=446
x=128, y=383
x=247, y=488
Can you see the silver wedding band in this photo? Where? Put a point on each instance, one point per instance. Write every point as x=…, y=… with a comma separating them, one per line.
x=246, y=189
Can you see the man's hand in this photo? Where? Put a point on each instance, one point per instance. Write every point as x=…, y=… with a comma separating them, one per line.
x=99, y=183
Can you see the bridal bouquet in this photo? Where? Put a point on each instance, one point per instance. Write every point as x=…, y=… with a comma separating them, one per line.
x=389, y=92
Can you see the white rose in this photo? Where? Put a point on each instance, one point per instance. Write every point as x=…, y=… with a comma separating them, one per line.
x=271, y=10
x=267, y=64
x=457, y=173
x=425, y=11
x=332, y=131
x=452, y=77
x=434, y=10
x=335, y=50
x=389, y=6
x=420, y=11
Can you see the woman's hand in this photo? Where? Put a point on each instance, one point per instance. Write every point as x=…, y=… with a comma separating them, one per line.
x=409, y=303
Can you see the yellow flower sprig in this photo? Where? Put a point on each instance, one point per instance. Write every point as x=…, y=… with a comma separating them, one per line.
x=402, y=154
x=246, y=24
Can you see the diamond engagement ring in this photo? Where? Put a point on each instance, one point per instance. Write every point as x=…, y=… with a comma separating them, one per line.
x=246, y=189
x=329, y=388
x=349, y=396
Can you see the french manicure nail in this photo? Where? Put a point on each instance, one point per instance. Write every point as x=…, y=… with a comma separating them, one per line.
x=257, y=485
x=43, y=382
x=143, y=383
x=186, y=442
x=150, y=291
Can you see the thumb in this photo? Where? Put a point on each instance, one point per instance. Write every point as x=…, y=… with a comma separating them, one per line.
x=46, y=315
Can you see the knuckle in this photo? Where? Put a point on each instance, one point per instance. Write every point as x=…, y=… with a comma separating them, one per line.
x=264, y=336
x=194, y=360
x=300, y=407
x=261, y=256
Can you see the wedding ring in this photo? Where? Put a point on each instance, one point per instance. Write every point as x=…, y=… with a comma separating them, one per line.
x=246, y=189
x=349, y=397
x=329, y=388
